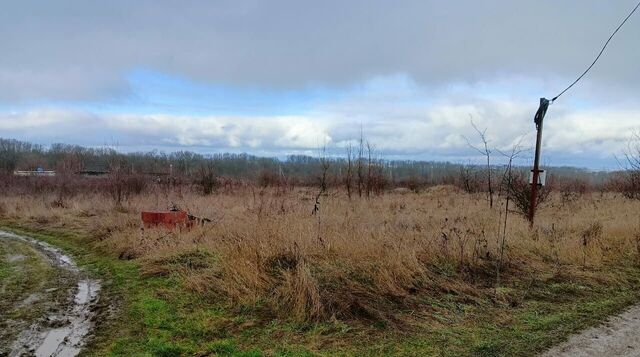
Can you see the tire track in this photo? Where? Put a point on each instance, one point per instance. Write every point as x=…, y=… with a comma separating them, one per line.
x=64, y=325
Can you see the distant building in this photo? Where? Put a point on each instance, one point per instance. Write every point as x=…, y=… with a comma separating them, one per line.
x=37, y=172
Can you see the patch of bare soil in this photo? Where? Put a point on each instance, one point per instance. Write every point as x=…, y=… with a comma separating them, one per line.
x=64, y=301
x=618, y=336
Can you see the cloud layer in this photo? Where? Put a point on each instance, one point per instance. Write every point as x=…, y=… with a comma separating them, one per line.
x=286, y=76
x=76, y=50
x=399, y=117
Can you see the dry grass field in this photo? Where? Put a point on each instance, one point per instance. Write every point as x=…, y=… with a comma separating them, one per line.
x=390, y=261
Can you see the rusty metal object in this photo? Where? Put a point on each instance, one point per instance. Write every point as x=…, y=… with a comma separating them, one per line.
x=166, y=219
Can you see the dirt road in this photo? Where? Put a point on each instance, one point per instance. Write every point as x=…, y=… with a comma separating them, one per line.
x=618, y=336
x=46, y=301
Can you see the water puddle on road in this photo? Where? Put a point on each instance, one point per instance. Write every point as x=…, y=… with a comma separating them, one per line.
x=63, y=331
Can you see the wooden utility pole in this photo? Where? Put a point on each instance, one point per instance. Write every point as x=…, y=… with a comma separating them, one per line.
x=542, y=110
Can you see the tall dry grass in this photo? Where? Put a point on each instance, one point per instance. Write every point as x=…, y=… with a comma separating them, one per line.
x=355, y=259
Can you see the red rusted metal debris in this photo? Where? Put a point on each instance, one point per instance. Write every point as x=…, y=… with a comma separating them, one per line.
x=166, y=219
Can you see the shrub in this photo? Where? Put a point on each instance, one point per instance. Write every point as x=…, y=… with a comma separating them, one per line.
x=207, y=179
x=469, y=179
x=519, y=190
x=122, y=186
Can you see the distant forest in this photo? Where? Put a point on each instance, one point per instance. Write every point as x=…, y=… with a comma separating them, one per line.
x=71, y=159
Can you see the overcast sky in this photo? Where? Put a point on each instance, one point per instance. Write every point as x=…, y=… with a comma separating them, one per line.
x=285, y=77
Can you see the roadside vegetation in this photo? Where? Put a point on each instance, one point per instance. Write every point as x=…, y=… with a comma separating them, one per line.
x=345, y=265
x=399, y=273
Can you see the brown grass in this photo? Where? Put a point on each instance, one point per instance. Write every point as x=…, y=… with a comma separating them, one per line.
x=356, y=259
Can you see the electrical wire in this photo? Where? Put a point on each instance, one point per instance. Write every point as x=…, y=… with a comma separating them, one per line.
x=599, y=54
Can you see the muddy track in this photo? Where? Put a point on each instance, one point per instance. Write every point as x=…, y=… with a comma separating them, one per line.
x=47, y=303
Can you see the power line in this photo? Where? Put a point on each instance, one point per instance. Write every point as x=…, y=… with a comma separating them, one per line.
x=539, y=117
x=599, y=54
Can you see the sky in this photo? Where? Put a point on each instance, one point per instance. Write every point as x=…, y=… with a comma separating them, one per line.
x=274, y=78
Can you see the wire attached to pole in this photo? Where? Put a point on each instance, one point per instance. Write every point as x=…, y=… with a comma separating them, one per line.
x=599, y=54
x=542, y=110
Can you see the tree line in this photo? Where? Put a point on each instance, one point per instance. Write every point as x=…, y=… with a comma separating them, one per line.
x=360, y=170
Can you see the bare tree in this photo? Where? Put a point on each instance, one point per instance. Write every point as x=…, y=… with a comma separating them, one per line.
x=486, y=152
x=116, y=178
x=323, y=185
x=323, y=188
x=360, y=164
x=122, y=180
x=507, y=180
x=369, y=182
x=348, y=179
x=468, y=178
x=207, y=178
x=631, y=164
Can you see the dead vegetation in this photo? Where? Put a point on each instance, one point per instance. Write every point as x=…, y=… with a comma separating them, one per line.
x=372, y=259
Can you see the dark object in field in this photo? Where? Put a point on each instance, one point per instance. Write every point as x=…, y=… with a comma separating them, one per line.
x=200, y=220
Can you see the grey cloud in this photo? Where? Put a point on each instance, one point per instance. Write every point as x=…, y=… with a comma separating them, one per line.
x=75, y=49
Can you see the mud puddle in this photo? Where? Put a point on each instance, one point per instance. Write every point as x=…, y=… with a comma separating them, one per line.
x=68, y=320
